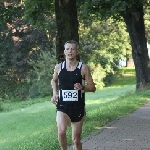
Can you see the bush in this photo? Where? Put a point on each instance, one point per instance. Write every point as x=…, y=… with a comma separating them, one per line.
x=1, y=107
x=7, y=88
x=41, y=76
x=37, y=81
x=22, y=91
x=98, y=74
x=108, y=79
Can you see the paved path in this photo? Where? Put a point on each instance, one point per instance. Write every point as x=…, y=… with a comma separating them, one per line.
x=128, y=133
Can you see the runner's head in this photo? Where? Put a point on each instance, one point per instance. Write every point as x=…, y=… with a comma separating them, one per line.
x=71, y=49
x=72, y=42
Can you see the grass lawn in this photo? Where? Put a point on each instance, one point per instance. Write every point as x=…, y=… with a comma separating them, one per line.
x=34, y=127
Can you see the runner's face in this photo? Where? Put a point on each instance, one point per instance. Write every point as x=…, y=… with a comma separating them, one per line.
x=71, y=51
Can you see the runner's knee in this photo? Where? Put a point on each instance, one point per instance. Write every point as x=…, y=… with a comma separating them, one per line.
x=76, y=140
x=61, y=132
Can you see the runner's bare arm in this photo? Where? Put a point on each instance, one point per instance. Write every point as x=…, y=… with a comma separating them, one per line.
x=90, y=86
x=54, y=81
x=54, y=84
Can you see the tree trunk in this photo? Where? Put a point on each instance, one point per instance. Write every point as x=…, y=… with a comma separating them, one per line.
x=136, y=29
x=67, y=25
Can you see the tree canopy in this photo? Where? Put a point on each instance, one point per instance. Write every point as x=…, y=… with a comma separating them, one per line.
x=132, y=13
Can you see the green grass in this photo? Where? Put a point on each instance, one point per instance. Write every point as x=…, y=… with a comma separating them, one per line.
x=129, y=70
x=33, y=126
x=29, y=128
x=9, y=106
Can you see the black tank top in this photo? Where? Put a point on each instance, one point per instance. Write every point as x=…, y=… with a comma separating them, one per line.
x=68, y=97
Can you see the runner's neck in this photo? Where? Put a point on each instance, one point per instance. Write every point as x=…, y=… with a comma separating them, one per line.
x=71, y=65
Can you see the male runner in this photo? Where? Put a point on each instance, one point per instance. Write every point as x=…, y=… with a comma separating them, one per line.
x=68, y=85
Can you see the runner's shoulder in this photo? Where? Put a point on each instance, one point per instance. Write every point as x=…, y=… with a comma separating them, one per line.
x=85, y=67
x=58, y=67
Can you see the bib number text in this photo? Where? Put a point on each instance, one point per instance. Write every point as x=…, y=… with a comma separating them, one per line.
x=70, y=95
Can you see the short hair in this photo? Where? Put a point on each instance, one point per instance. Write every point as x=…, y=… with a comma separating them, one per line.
x=72, y=42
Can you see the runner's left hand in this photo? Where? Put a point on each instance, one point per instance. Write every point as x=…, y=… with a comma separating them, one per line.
x=78, y=86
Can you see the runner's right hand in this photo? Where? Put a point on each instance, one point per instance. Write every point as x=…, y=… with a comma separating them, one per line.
x=54, y=99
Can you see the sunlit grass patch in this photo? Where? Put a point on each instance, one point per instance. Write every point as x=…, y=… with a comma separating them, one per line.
x=24, y=128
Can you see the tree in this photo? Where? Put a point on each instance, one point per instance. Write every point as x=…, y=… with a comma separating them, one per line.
x=66, y=19
x=67, y=25
x=20, y=42
x=133, y=14
x=136, y=28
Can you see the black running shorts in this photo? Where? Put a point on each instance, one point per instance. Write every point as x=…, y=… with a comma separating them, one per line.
x=75, y=115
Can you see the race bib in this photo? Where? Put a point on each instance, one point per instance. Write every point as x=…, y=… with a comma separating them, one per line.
x=70, y=95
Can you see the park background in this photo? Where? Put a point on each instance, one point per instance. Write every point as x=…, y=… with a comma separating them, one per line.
x=29, y=50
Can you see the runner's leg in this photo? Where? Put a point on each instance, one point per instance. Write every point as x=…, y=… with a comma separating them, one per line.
x=62, y=120
x=76, y=134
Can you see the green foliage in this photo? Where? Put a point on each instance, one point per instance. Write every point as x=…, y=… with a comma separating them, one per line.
x=1, y=107
x=38, y=12
x=5, y=47
x=98, y=74
x=111, y=42
x=19, y=42
x=104, y=43
x=41, y=76
x=147, y=22
x=111, y=8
